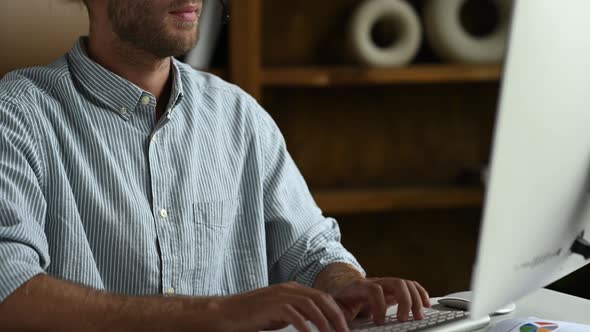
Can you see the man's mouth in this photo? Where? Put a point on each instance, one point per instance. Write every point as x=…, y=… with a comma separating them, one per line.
x=187, y=13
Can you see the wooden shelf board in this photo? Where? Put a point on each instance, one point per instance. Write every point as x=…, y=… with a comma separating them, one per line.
x=381, y=200
x=333, y=76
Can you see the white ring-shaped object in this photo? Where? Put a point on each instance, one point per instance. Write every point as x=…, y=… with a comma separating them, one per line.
x=452, y=42
x=407, y=33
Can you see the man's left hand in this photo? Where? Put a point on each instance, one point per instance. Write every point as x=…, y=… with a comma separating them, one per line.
x=360, y=296
x=371, y=297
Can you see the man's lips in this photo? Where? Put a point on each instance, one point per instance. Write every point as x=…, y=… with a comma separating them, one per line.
x=188, y=13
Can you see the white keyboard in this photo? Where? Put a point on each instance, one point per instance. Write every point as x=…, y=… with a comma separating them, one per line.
x=432, y=320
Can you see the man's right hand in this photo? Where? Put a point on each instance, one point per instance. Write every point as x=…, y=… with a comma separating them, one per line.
x=278, y=306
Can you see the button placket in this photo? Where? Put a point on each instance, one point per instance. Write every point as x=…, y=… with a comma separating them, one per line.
x=163, y=212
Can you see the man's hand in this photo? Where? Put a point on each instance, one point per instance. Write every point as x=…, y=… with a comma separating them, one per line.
x=373, y=296
x=357, y=295
x=278, y=306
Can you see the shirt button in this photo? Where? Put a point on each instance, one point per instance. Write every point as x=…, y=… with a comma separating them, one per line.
x=154, y=137
x=145, y=100
x=170, y=291
x=124, y=110
x=163, y=213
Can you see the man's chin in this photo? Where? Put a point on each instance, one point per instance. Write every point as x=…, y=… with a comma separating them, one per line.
x=185, y=48
x=179, y=45
x=184, y=37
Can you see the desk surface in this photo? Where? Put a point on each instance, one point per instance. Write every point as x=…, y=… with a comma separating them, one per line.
x=544, y=303
x=551, y=305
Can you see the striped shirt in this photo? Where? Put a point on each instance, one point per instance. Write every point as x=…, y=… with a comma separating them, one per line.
x=205, y=202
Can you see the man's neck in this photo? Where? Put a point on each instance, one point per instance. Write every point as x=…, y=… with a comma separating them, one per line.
x=148, y=72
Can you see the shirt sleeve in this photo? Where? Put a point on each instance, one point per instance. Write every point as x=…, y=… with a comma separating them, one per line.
x=300, y=240
x=23, y=245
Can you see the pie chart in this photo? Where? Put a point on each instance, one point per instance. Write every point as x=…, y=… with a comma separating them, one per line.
x=539, y=327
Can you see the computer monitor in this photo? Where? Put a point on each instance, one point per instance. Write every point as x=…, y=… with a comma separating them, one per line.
x=537, y=201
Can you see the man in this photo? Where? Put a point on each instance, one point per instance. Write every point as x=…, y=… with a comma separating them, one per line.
x=137, y=194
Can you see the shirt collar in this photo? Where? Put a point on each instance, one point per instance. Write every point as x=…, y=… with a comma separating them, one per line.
x=177, y=93
x=115, y=92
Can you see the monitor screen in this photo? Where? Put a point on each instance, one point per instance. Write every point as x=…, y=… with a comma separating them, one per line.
x=537, y=201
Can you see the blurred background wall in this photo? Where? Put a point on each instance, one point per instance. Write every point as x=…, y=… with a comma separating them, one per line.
x=36, y=32
x=395, y=153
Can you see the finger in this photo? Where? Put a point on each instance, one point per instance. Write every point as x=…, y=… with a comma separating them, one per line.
x=311, y=311
x=399, y=288
x=390, y=299
x=376, y=299
x=351, y=311
x=294, y=318
x=417, y=308
x=332, y=311
x=329, y=308
x=423, y=294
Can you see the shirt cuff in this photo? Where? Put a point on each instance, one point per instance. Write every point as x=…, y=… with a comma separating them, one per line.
x=336, y=253
x=15, y=274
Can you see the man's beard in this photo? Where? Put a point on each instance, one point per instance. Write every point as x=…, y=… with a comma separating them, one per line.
x=133, y=23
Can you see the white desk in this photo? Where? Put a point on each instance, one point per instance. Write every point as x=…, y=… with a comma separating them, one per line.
x=544, y=303
x=551, y=305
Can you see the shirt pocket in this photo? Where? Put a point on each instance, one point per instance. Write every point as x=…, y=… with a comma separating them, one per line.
x=216, y=214
x=213, y=221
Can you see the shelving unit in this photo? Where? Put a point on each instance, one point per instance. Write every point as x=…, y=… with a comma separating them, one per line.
x=381, y=148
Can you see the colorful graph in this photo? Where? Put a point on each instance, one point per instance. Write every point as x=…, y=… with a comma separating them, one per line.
x=539, y=327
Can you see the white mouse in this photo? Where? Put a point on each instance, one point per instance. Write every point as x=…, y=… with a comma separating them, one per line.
x=462, y=300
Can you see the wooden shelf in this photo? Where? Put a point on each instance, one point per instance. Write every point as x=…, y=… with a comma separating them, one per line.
x=381, y=200
x=333, y=76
